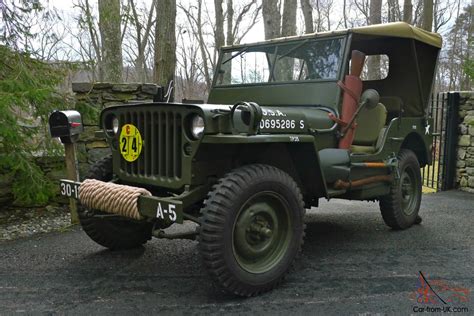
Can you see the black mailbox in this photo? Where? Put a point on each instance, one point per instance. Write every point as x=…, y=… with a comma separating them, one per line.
x=66, y=124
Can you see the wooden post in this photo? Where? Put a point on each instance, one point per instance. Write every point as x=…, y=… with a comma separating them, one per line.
x=72, y=174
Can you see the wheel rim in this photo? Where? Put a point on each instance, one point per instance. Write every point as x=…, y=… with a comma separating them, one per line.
x=261, y=232
x=409, y=192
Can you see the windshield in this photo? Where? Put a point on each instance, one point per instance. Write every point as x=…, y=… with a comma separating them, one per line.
x=304, y=60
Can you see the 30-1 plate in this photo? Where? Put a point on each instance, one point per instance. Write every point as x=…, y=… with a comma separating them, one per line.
x=69, y=188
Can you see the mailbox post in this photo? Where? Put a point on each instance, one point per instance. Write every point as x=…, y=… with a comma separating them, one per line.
x=67, y=125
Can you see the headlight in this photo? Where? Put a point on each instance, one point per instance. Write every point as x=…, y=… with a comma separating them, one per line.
x=115, y=125
x=197, y=126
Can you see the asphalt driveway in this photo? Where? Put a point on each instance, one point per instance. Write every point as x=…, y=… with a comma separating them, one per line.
x=352, y=264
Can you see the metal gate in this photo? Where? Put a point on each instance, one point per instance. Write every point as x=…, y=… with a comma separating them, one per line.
x=444, y=109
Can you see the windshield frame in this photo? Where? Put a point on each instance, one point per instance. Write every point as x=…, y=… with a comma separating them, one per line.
x=299, y=43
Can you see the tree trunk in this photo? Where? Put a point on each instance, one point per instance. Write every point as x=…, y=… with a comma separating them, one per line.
x=288, y=28
x=271, y=18
x=407, y=11
x=165, y=42
x=318, y=19
x=288, y=25
x=375, y=11
x=375, y=18
x=202, y=47
x=229, y=40
x=307, y=10
x=230, y=21
x=427, y=15
x=219, y=35
x=393, y=11
x=467, y=62
x=344, y=13
x=111, y=41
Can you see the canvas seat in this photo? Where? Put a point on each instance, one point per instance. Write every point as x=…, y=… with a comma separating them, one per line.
x=370, y=125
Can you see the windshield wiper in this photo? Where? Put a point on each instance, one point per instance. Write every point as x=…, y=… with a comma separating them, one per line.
x=240, y=52
x=293, y=49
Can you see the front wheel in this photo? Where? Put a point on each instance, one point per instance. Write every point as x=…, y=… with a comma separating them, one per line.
x=252, y=229
x=401, y=206
x=112, y=233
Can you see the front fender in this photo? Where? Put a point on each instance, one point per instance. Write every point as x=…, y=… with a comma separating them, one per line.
x=295, y=154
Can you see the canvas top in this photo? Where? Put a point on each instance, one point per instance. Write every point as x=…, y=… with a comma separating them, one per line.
x=395, y=29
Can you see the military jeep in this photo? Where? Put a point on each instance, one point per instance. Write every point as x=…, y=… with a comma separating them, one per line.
x=288, y=121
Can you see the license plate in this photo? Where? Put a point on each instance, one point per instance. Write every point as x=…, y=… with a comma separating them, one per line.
x=69, y=188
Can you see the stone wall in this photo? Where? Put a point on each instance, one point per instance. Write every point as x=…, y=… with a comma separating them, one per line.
x=90, y=100
x=465, y=149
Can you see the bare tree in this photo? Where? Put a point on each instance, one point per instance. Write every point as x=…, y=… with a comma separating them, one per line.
x=196, y=25
x=407, y=11
x=209, y=32
x=230, y=22
x=288, y=24
x=364, y=7
x=427, y=15
x=271, y=18
x=326, y=8
x=189, y=81
x=111, y=48
x=165, y=42
x=344, y=13
x=142, y=29
x=394, y=14
x=375, y=11
x=307, y=10
x=251, y=10
x=219, y=30
x=92, y=48
x=373, y=63
x=443, y=13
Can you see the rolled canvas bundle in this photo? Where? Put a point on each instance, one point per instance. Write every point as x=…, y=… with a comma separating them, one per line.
x=352, y=87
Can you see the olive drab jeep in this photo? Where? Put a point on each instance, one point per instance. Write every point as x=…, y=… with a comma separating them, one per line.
x=288, y=121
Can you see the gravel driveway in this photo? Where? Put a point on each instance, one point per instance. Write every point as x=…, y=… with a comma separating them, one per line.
x=351, y=264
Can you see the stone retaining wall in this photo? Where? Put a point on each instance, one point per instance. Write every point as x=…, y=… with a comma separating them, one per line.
x=465, y=149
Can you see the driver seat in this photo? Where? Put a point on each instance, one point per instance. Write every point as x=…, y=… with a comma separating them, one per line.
x=369, y=129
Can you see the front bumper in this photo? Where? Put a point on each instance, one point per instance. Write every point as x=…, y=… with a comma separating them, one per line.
x=165, y=209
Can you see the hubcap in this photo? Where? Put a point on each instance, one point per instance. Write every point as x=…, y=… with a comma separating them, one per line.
x=262, y=232
x=408, y=191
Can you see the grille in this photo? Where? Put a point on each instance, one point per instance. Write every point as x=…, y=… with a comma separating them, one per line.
x=161, y=131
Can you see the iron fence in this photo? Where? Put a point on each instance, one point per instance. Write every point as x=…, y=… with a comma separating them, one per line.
x=440, y=175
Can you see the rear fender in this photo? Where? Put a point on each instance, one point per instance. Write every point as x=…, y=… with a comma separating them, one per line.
x=415, y=143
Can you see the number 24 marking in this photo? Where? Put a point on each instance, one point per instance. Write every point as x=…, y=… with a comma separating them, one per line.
x=124, y=146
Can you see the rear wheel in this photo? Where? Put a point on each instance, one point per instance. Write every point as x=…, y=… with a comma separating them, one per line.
x=251, y=229
x=115, y=234
x=401, y=206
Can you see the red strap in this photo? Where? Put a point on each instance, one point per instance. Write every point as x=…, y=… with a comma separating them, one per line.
x=348, y=91
x=341, y=122
x=337, y=120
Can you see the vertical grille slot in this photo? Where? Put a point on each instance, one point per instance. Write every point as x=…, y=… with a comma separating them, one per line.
x=177, y=145
x=161, y=131
x=148, y=144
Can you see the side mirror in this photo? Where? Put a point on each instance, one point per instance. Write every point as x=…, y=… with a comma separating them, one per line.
x=369, y=99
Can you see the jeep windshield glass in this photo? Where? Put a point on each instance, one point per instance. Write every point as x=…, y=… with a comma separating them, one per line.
x=297, y=61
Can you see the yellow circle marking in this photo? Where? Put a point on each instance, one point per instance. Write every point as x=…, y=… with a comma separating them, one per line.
x=130, y=142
